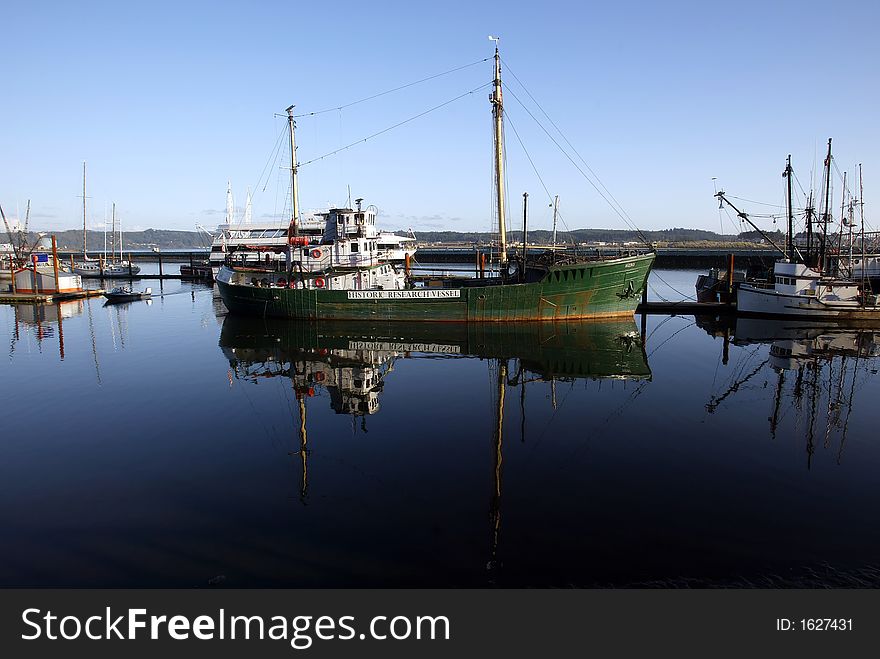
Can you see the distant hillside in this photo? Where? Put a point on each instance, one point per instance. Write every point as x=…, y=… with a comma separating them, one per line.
x=584, y=235
x=71, y=240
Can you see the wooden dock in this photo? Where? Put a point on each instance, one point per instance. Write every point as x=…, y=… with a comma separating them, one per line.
x=686, y=307
x=47, y=298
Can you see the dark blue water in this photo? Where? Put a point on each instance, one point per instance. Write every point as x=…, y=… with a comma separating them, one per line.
x=170, y=445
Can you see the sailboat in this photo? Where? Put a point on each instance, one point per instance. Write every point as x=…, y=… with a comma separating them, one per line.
x=99, y=268
x=118, y=267
x=341, y=277
x=806, y=285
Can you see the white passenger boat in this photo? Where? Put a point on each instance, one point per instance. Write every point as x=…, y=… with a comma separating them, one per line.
x=264, y=243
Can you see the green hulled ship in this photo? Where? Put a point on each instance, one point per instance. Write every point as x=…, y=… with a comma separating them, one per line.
x=591, y=289
x=339, y=276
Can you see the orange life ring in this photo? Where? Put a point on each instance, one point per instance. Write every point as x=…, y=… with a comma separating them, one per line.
x=319, y=282
x=316, y=253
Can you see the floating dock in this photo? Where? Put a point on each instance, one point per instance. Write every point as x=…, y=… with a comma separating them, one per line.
x=47, y=298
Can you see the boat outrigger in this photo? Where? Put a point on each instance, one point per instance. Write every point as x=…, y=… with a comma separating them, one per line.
x=342, y=277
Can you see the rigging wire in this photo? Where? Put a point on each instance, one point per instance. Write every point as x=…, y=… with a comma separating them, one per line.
x=397, y=125
x=620, y=213
x=273, y=157
x=532, y=163
x=616, y=206
x=389, y=91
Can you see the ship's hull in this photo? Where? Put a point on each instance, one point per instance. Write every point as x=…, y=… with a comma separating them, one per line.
x=769, y=302
x=598, y=289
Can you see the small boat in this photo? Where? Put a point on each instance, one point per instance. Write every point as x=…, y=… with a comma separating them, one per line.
x=125, y=294
x=714, y=286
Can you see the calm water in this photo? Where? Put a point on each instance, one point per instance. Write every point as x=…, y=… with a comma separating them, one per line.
x=168, y=444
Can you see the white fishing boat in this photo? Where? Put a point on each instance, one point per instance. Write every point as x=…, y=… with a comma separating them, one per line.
x=807, y=285
x=798, y=290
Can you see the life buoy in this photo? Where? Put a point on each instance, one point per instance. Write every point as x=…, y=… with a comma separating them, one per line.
x=316, y=253
x=319, y=282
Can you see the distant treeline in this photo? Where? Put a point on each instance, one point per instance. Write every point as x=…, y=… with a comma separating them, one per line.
x=541, y=236
x=71, y=240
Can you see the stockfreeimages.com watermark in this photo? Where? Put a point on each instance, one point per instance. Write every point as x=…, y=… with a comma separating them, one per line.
x=300, y=631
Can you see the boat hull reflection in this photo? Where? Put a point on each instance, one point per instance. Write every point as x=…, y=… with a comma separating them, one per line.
x=568, y=350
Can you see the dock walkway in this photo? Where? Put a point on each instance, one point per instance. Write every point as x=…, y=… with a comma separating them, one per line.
x=46, y=298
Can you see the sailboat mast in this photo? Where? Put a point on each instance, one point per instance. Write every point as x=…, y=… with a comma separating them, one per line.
x=294, y=188
x=113, y=232
x=84, y=210
x=827, y=202
x=498, y=114
x=790, y=244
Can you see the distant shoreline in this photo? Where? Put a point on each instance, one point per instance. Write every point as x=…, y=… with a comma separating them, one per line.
x=172, y=239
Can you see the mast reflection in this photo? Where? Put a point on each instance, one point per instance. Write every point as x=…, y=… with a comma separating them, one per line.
x=817, y=368
x=351, y=361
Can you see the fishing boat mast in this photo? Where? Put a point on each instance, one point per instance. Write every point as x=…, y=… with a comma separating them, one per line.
x=790, y=243
x=862, y=218
x=555, y=213
x=825, y=214
x=498, y=114
x=294, y=190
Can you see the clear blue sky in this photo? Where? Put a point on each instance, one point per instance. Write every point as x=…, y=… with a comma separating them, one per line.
x=166, y=101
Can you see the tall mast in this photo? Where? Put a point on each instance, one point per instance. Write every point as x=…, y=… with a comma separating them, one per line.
x=84, y=210
x=862, y=217
x=790, y=245
x=113, y=236
x=840, y=226
x=827, y=201
x=809, y=220
x=248, y=209
x=498, y=114
x=294, y=188
x=120, y=234
x=555, y=211
x=230, y=203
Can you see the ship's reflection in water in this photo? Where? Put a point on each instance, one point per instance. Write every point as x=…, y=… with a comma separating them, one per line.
x=817, y=369
x=173, y=445
x=352, y=361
